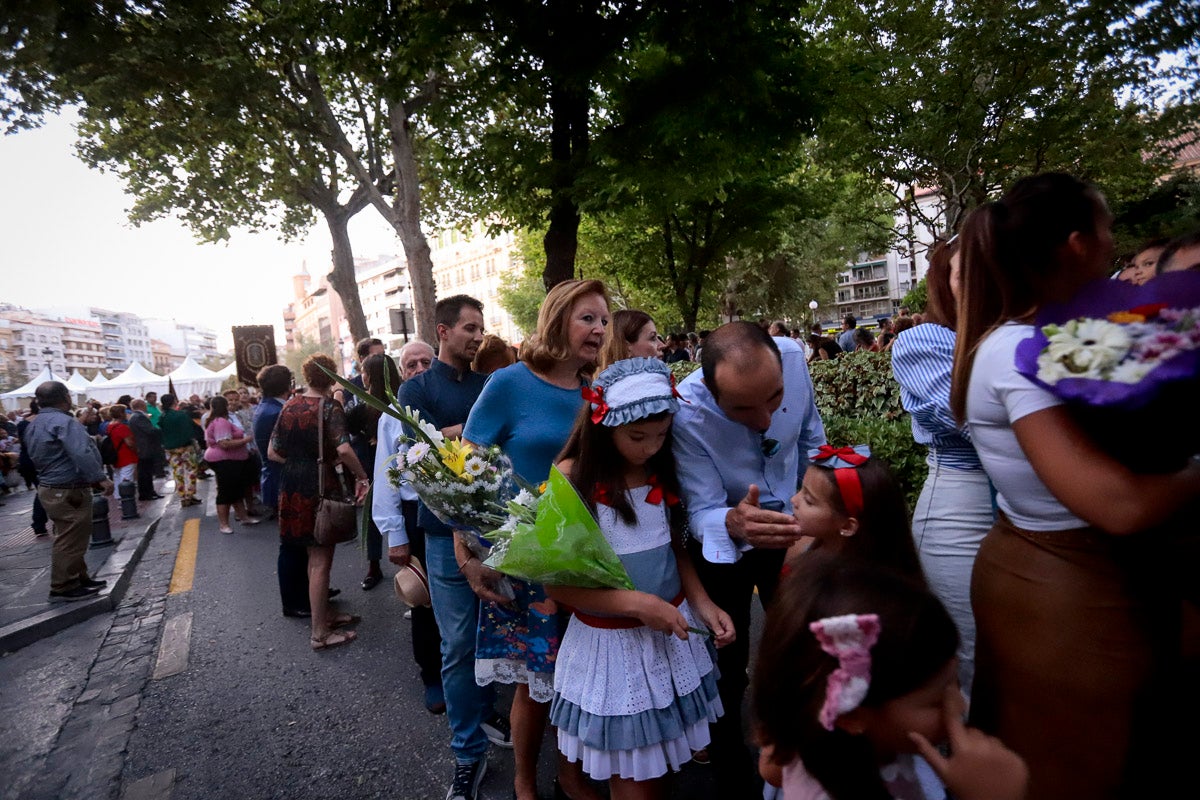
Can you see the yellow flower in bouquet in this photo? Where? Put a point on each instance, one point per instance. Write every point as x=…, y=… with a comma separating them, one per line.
x=454, y=454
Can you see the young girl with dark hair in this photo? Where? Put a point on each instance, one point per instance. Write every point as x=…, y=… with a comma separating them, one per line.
x=1078, y=633
x=855, y=677
x=634, y=692
x=850, y=504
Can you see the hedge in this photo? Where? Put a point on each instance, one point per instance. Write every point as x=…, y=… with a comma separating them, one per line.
x=859, y=401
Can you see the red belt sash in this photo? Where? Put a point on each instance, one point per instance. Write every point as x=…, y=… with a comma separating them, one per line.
x=617, y=623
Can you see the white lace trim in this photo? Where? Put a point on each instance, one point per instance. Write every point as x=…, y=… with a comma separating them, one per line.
x=619, y=672
x=649, y=531
x=500, y=670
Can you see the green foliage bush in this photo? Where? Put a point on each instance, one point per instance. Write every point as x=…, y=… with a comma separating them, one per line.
x=859, y=401
x=681, y=369
x=857, y=385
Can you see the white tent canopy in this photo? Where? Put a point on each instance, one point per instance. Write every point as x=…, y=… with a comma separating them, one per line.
x=229, y=369
x=135, y=381
x=190, y=378
x=11, y=400
x=78, y=383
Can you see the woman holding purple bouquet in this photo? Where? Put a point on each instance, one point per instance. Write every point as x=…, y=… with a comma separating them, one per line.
x=1075, y=641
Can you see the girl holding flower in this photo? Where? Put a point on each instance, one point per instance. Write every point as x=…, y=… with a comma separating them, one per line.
x=528, y=410
x=1075, y=639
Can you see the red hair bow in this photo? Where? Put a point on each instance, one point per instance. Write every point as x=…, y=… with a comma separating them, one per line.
x=596, y=397
x=601, y=495
x=674, y=391
x=847, y=454
x=658, y=494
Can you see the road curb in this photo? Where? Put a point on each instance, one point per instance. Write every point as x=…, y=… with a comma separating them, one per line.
x=117, y=570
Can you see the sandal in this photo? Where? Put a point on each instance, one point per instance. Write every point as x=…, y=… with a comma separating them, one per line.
x=344, y=620
x=332, y=639
x=249, y=521
x=225, y=530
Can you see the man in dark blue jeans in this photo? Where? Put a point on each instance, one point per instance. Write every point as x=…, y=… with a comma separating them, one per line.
x=443, y=396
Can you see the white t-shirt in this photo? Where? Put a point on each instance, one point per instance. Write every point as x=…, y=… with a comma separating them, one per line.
x=998, y=396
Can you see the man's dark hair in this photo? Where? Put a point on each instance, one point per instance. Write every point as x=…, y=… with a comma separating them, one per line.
x=167, y=401
x=274, y=380
x=735, y=340
x=449, y=309
x=850, y=321
x=1173, y=247
x=52, y=393
x=148, y=395
x=704, y=334
x=363, y=348
x=125, y=400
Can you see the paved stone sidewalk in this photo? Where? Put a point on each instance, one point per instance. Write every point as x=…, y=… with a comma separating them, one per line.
x=84, y=759
x=25, y=611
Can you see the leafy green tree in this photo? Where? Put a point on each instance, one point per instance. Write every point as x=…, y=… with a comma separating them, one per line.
x=968, y=97
x=1170, y=210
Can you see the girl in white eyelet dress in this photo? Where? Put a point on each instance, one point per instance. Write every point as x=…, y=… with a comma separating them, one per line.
x=634, y=690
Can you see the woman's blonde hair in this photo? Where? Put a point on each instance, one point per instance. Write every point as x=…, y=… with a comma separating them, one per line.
x=551, y=343
x=622, y=332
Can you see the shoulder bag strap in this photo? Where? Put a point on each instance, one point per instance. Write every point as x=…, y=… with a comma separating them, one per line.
x=321, y=447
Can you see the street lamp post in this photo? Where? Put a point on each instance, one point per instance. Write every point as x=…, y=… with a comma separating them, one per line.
x=812, y=306
x=48, y=354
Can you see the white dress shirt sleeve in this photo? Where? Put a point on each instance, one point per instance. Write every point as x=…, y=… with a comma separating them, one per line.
x=385, y=498
x=705, y=495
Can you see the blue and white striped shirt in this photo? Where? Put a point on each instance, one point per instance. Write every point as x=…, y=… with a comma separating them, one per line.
x=922, y=360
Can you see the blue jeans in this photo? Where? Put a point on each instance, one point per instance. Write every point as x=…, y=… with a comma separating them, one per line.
x=456, y=609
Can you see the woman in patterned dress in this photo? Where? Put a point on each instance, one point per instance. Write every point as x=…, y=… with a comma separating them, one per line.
x=295, y=444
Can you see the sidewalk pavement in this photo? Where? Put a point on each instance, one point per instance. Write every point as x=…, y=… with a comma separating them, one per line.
x=26, y=614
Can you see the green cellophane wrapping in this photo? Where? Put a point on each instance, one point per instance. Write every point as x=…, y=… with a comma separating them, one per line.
x=564, y=546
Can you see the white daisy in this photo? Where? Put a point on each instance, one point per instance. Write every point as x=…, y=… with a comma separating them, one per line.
x=1085, y=348
x=417, y=452
x=475, y=466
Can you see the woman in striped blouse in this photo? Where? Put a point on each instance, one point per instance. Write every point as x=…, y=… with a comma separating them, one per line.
x=954, y=511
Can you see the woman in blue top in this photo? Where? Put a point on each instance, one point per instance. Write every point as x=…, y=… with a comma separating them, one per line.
x=954, y=511
x=529, y=409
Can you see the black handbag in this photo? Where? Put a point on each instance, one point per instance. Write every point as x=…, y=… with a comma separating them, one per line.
x=337, y=515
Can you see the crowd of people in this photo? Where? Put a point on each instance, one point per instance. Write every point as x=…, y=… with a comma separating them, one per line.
x=1011, y=636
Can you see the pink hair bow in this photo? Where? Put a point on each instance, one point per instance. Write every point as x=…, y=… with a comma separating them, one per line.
x=849, y=639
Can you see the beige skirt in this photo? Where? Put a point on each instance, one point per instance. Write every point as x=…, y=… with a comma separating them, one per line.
x=1078, y=663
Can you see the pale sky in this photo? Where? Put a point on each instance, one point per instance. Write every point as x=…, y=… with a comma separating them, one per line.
x=65, y=240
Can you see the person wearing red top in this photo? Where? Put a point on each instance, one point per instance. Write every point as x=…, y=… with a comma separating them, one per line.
x=122, y=439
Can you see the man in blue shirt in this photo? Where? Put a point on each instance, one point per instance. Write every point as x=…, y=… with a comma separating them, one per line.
x=443, y=396
x=69, y=467
x=845, y=339
x=741, y=440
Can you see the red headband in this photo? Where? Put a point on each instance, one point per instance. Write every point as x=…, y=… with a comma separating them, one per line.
x=846, y=476
x=850, y=486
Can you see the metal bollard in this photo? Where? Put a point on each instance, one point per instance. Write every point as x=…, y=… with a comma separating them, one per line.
x=129, y=509
x=101, y=532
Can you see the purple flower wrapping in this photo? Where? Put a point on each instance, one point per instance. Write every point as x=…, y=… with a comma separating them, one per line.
x=1097, y=300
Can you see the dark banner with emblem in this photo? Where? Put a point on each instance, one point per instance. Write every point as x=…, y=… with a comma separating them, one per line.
x=254, y=348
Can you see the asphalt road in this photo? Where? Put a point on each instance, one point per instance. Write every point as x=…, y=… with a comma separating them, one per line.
x=258, y=714
x=252, y=711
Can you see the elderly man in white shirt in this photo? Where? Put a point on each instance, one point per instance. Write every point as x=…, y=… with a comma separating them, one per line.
x=741, y=442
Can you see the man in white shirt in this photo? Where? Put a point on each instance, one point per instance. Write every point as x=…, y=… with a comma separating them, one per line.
x=741, y=441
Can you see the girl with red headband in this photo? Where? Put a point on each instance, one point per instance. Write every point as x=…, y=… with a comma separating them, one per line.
x=850, y=504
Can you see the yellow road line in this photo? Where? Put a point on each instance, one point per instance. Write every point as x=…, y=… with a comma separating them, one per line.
x=185, y=560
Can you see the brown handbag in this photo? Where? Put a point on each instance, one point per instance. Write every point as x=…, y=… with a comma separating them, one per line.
x=337, y=516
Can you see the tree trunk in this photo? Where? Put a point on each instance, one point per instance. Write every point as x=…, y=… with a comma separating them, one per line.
x=342, y=278
x=406, y=220
x=568, y=148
